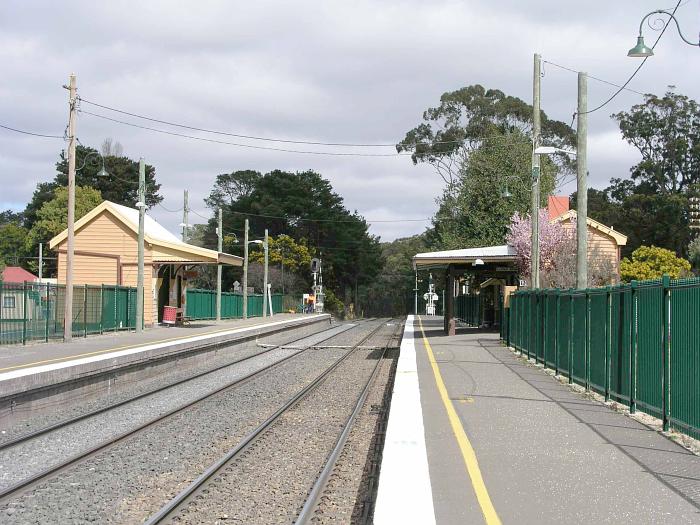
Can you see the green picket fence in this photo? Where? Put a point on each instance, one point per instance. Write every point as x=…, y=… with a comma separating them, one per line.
x=201, y=304
x=35, y=311
x=638, y=343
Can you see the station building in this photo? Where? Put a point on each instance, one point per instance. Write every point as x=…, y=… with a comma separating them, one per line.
x=480, y=280
x=106, y=252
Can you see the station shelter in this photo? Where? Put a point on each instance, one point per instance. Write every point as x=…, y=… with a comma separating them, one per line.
x=106, y=252
x=477, y=282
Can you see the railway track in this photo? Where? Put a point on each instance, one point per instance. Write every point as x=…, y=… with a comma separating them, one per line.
x=209, y=481
x=27, y=483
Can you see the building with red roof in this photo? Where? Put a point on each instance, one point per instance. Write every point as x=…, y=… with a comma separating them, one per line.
x=15, y=274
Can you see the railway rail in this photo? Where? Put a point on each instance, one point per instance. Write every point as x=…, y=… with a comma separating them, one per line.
x=28, y=482
x=207, y=481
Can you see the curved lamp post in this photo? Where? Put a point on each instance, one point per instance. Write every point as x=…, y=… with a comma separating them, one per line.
x=641, y=50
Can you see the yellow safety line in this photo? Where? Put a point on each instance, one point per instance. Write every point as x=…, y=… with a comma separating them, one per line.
x=468, y=454
x=117, y=348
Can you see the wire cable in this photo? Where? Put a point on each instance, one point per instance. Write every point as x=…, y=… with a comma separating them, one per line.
x=594, y=78
x=23, y=132
x=624, y=86
x=250, y=146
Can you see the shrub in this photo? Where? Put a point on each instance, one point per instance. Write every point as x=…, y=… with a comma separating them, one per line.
x=651, y=262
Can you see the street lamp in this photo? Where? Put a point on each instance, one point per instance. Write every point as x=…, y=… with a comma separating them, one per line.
x=641, y=50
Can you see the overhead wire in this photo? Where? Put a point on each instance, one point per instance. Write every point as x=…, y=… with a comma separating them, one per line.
x=32, y=133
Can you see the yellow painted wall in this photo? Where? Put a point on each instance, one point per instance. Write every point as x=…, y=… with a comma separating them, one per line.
x=106, y=235
x=605, y=245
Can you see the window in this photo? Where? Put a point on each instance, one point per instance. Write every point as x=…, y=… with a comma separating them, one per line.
x=8, y=301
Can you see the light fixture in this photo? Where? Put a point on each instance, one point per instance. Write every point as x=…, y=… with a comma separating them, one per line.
x=548, y=150
x=103, y=172
x=640, y=50
x=478, y=262
x=505, y=193
x=140, y=204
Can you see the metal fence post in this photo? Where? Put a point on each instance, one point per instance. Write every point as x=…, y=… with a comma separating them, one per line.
x=85, y=304
x=666, y=351
x=556, y=331
x=608, y=339
x=47, y=312
x=102, y=308
x=570, y=349
x=529, y=323
x=634, y=333
x=116, y=309
x=539, y=324
x=24, y=313
x=588, y=340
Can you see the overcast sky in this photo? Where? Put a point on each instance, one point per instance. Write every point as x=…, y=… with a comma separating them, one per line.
x=322, y=71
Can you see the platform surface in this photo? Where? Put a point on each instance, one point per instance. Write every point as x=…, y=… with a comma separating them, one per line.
x=507, y=443
x=18, y=360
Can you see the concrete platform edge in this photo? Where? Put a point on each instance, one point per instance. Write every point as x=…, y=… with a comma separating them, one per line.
x=24, y=380
x=405, y=494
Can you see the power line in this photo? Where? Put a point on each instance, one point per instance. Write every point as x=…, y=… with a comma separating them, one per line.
x=250, y=146
x=237, y=135
x=594, y=78
x=31, y=133
x=639, y=66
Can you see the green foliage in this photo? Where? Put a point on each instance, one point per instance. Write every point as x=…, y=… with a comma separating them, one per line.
x=13, y=243
x=694, y=252
x=304, y=207
x=479, y=142
x=331, y=303
x=285, y=250
x=52, y=217
x=392, y=291
x=666, y=132
x=120, y=187
x=651, y=262
x=647, y=218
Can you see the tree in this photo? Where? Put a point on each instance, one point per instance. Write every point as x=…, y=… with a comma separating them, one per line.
x=110, y=148
x=52, y=218
x=651, y=262
x=467, y=119
x=553, y=237
x=666, y=132
x=121, y=186
x=13, y=243
x=694, y=252
x=647, y=218
x=304, y=207
x=284, y=250
x=479, y=141
x=230, y=187
x=9, y=216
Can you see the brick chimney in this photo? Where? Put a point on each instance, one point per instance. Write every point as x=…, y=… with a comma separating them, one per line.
x=557, y=205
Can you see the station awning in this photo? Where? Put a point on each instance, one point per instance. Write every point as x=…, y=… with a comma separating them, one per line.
x=465, y=256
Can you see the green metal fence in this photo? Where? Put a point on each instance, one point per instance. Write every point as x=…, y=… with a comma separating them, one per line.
x=638, y=343
x=201, y=304
x=35, y=311
x=468, y=309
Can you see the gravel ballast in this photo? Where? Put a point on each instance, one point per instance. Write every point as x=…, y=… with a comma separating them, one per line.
x=135, y=477
x=270, y=480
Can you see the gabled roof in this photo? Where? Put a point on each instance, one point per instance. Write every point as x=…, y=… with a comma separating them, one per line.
x=154, y=233
x=570, y=215
x=15, y=274
x=502, y=253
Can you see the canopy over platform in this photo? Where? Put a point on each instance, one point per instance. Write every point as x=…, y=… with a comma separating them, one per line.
x=464, y=257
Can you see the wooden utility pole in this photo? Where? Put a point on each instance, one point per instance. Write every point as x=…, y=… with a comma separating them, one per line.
x=535, y=208
x=141, y=204
x=245, y=272
x=70, y=244
x=582, y=184
x=185, y=215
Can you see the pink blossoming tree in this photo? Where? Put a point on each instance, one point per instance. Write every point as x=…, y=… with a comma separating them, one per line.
x=553, y=239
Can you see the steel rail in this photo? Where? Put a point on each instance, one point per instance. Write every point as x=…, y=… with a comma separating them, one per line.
x=69, y=421
x=307, y=512
x=181, y=499
x=31, y=481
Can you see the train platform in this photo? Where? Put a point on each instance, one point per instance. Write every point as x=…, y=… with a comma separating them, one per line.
x=34, y=366
x=476, y=434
